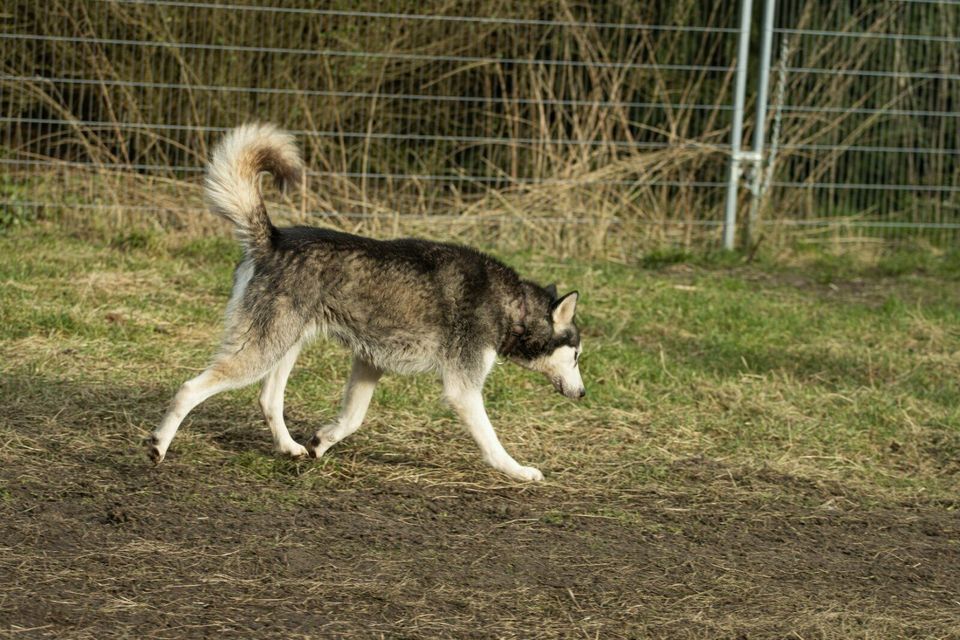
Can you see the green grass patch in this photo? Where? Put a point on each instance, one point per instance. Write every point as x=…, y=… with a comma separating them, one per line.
x=823, y=370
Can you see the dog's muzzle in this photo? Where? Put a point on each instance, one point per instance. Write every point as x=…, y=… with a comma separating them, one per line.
x=574, y=394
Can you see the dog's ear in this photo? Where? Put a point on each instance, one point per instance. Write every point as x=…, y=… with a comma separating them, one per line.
x=552, y=290
x=564, y=308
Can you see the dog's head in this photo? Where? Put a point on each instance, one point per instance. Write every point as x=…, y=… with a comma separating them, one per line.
x=550, y=343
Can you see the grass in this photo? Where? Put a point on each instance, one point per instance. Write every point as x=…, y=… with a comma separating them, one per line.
x=825, y=370
x=756, y=392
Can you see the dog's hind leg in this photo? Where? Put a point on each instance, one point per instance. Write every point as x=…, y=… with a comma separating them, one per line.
x=271, y=402
x=235, y=367
x=356, y=400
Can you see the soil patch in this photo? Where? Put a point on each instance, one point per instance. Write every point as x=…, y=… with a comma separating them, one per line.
x=173, y=553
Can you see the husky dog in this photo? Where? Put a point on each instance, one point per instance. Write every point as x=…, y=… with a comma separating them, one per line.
x=405, y=306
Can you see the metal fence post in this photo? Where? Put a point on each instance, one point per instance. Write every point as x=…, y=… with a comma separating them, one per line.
x=736, y=134
x=759, y=127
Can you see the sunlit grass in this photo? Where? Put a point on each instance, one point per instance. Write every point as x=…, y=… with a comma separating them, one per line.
x=824, y=369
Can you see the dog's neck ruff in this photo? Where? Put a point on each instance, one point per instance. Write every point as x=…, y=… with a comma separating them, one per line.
x=517, y=329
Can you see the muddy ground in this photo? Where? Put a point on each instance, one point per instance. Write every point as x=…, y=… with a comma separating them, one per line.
x=178, y=552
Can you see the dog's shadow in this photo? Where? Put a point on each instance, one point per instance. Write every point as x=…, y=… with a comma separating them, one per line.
x=45, y=413
x=110, y=424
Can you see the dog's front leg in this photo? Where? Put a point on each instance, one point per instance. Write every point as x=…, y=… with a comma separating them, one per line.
x=467, y=401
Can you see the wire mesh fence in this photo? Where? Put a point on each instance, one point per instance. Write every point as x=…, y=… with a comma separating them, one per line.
x=869, y=144
x=522, y=118
x=581, y=125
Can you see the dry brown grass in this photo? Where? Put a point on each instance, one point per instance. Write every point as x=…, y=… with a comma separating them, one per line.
x=615, y=193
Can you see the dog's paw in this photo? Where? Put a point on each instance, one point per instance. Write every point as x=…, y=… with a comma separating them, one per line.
x=527, y=474
x=154, y=451
x=293, y=449
x=318, y=445
x=315, y=447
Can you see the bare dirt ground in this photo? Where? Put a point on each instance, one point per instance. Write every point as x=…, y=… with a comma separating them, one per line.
x=192, y=551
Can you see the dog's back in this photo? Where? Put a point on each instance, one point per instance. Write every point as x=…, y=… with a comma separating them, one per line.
x=405, y=305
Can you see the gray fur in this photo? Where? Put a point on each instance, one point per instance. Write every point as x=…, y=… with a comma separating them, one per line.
x=401, y=306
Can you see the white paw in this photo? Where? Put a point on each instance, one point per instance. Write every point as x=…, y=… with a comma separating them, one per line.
x=293, y=449
x=155, y=449
x=526, y=474
x=317, y=446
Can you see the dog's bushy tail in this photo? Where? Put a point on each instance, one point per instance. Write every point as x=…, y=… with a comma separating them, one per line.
x=233, y=187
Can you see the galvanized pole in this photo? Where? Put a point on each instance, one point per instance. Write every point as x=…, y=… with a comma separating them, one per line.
x=759, y=129
x=736, y=134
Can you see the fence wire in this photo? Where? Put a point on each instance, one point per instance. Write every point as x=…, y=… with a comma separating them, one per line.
x=508, y=116
x=531, y=113
x=870, y=136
